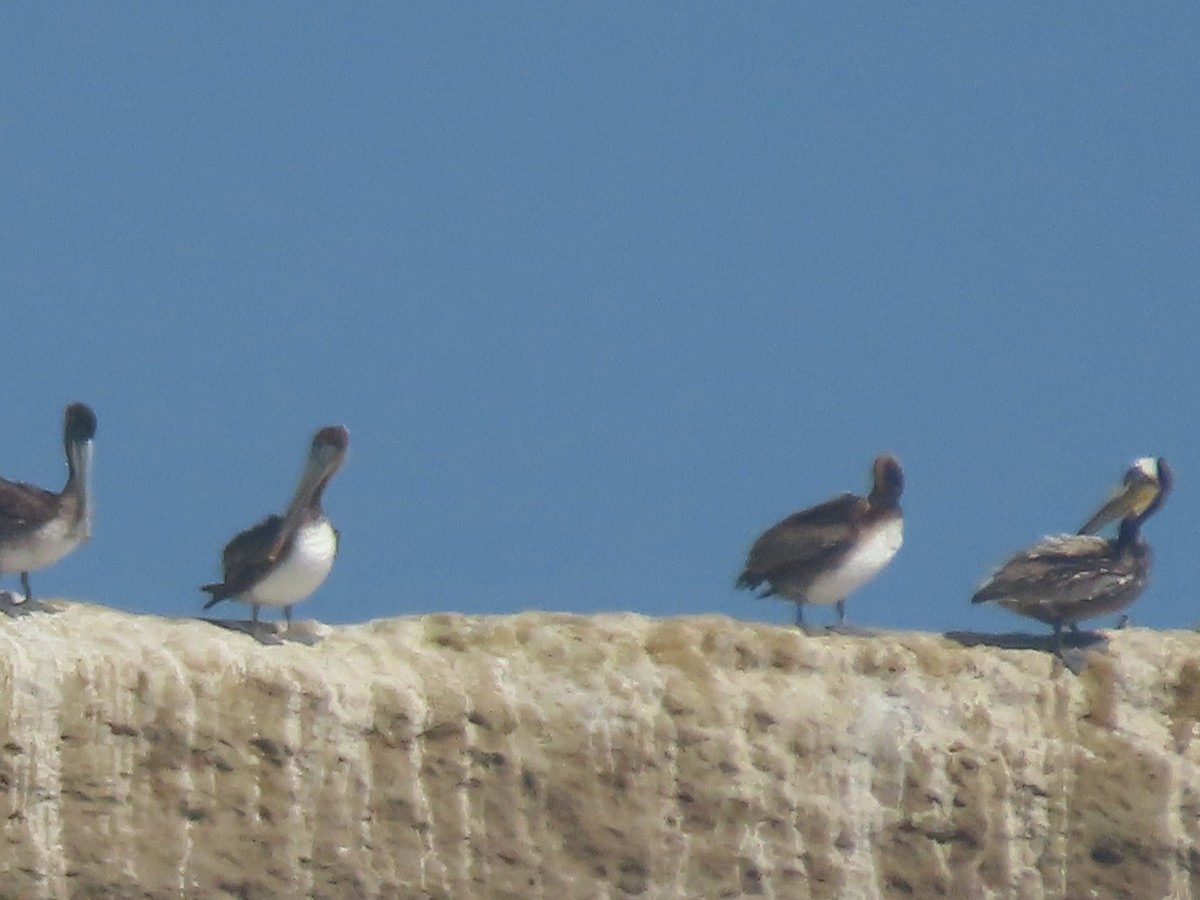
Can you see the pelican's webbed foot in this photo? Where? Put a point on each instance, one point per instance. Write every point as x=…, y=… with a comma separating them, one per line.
x=15, y=606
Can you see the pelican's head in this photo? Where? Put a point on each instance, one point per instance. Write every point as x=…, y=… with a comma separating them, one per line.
x=79, y=427
x=79, y=423
x=888, y=480
x=1141, y=493
x=329, y=446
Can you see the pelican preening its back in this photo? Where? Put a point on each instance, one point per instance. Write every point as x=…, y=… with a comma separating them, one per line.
x=39, y=527
x=1065, y=579
x=282, y=560
x=824, y=553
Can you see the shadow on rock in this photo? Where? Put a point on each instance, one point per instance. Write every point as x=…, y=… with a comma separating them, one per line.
x=1073, y=654
x=1071, y=640
x=15, y=606
x=268, y=633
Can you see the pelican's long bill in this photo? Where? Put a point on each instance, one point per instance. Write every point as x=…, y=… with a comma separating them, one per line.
x=324, y=458
x=1140, y=489
x=80, y=456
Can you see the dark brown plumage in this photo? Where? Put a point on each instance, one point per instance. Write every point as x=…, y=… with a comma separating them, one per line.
x=245, y=559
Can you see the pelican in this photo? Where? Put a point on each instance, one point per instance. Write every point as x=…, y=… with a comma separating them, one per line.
x=1065, y=579
x=282, y=560
x=824, y=553
x=39, y=527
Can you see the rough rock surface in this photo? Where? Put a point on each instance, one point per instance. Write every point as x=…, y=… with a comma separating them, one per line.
x=555, y=756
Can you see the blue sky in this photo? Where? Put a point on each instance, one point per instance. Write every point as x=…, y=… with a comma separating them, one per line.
x=601, y=292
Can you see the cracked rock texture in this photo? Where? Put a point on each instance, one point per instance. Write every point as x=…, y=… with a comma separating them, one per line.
x=554, y=756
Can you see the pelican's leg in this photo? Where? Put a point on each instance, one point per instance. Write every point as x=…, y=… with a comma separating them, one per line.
x=800, y=616
x=287, y=614
x=25, y=585
x=254, y=617
x=841, y=609
x=1058, y=638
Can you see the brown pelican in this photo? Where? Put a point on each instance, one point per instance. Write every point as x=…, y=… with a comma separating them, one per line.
x=822, y=554
x=282, y=560
x=38, y=527
x=1065, y=579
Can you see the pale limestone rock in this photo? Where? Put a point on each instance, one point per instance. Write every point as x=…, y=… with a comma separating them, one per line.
x=554, y=756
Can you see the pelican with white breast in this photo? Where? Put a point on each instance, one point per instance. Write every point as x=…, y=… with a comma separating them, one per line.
x=823, y=554
x=39, y=527
x=283, y=559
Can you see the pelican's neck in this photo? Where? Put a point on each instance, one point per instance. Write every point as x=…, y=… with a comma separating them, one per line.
x=325, y=455
x=79, y=481
x=306, y=499
x=883, y=497
x=1127, y=534
x=309, y=491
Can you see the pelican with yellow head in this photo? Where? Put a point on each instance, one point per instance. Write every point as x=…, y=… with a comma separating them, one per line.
x=1065, y=579
x=1141, y=487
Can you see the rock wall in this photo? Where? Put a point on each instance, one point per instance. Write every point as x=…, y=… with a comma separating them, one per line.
x=555, y=756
